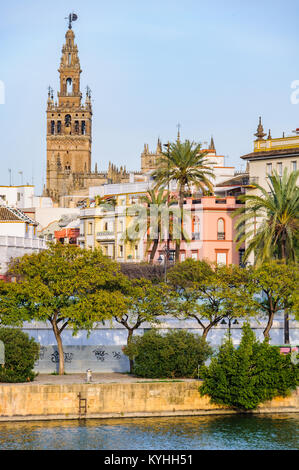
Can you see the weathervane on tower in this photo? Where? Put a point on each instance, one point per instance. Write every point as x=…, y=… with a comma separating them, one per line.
x=72, y=17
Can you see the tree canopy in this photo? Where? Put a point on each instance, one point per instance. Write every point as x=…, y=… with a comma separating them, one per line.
x=66, y=286
x=211, y=293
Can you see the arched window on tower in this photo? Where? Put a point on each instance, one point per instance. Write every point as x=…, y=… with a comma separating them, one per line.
x=69, y=86
x=220, y=230
x=52, y=127
x=68, y=120
x=76, y=127
x=83, y=127
x=70, y=59
x=58, y=127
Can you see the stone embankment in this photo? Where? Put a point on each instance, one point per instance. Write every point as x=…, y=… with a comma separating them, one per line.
x=125, y=397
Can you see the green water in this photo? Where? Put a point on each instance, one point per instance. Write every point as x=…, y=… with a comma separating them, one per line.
x=242, y=432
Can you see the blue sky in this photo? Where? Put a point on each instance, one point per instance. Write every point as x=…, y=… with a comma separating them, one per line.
x=212, y=66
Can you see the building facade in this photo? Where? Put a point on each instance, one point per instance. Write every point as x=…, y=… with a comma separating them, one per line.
x=270, y=155
x=18, y=236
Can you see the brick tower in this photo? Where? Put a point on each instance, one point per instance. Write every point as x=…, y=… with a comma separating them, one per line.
x=68, y=126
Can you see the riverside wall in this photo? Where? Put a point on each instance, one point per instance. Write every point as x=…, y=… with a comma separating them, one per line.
x=114, y=400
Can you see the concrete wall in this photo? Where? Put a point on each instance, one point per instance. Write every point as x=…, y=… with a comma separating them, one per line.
x=29, y=401
x=80, y=358
x=116, y=334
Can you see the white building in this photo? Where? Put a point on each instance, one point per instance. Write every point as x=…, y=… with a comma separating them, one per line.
x=22, y=197
x=18, y=236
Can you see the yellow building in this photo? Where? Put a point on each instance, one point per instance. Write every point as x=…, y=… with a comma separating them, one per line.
x=105, y=226
x=272, y=154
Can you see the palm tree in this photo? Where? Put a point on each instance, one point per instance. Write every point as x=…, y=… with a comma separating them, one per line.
x=275, y=219
x=186, y=164
x=159, y=199
x=270, y=222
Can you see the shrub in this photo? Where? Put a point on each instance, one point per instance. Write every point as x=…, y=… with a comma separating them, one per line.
x=20, y=354
x=243, y=378
x=175, y=354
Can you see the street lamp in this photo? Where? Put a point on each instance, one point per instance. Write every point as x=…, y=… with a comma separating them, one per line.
x=235, y=322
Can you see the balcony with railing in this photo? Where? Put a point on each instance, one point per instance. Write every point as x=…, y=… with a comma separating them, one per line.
x=105, y=235
x=21, y=242
x=221, y=236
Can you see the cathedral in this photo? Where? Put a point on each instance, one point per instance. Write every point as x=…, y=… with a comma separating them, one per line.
x=69, y=136
x=69, y=139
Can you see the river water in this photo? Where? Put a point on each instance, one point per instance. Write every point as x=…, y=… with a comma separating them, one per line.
x=229, y=432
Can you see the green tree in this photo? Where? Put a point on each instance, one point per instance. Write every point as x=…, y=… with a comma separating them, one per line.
x=209, y=294
x=147, y=303
x=276, y=289
x=66, y=286
x=253, y=373
x=270, y=222
x=186, y=164
x=21, y=352
x=178, y=353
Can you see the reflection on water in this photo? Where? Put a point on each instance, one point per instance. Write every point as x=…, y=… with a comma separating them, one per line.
x=180, y=433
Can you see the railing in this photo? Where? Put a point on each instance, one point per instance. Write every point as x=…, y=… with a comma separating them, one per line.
x=21, y=242
x=195, y=236
x=250, y=180
x=105, y=234
x=221, y=236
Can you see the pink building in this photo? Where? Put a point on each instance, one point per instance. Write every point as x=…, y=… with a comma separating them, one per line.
x=212, y=232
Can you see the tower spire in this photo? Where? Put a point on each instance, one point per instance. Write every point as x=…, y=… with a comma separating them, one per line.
x=179, y=135
x=212, y=144
x=260, y=130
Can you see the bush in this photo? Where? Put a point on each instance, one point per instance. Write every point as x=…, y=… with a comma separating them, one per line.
x=243, y=378
x=21, y=352
x=176, y=354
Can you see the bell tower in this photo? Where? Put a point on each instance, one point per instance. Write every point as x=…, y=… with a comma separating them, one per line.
x=68, y=124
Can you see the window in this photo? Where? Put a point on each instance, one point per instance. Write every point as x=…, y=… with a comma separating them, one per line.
x=105, y=226
x=195, y=228
x=294, y=165
x=68, y=120
x=194, y=255
x=83, y=127
x=269, y=169
x=121, y=251
x=70, y=59
x=18, y=196
x=52, y=127
x=58, y=127
x=121, y=226
x=279, y=169
x=89, y=228
x=69, y=86
x=183, y=256
x=76, y=127
x=220, y=230
x=221, y=258
x=241, y=256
